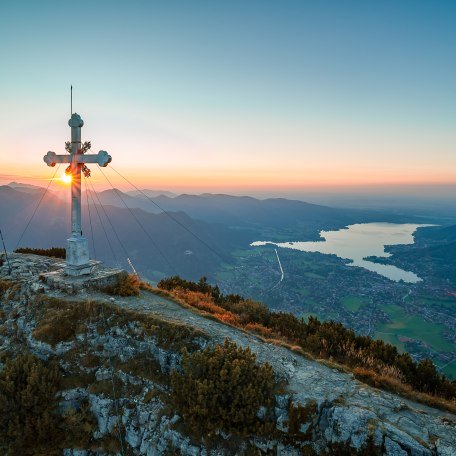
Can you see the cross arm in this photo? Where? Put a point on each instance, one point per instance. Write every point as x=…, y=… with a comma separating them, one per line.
x=51, y=158
x=102, y=158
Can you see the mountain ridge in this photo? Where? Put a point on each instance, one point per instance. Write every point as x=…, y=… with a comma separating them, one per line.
x=338, y=412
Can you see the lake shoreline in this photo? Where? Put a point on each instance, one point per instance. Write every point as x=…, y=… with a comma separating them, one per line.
x=363, y=245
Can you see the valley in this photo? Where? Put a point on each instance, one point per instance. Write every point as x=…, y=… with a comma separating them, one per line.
x=415, y=317
x=210, y=235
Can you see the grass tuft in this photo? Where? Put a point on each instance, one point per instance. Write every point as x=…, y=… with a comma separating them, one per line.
x=127, y=285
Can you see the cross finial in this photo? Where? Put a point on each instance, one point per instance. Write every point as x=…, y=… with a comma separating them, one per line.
x=76, y=121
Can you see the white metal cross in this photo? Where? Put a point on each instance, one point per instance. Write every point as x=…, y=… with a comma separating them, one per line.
x=77, y=258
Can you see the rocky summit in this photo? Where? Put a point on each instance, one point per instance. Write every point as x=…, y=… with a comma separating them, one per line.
x=114, y=357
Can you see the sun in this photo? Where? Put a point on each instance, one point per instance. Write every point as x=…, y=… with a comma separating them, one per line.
x=66, y=178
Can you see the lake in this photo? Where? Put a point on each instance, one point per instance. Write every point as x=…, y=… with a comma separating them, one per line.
x=359, y=241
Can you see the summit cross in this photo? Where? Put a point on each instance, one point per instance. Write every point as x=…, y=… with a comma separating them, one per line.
x=77, y=251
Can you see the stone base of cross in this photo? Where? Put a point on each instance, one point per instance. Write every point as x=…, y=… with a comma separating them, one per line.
x=77, y=252
x=78, y=261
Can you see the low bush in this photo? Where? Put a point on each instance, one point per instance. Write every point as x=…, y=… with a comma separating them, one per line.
x=222, y=388
x=30, y=423
x=144, y=366
x=55, y=252
x=59, y=320
x=301, y=420
x=127, y=285
x=28, y=419
x=328, y=340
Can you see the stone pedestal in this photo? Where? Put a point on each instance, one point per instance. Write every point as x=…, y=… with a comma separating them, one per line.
x=77, y=257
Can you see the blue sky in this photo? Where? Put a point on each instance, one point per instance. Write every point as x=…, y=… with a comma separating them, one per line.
x=215, y=95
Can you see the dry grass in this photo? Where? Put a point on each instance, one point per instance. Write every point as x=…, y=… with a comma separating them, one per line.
x=148, y=287
x=384, y=376
x=109, y=444
x=9, y=289
x=78, y=379
x=145, y=367
x=59, y=320
x=299, y=415
x=394, y=385
x=5, y=285
x=105, y=387
x=258, y=329
x=127, y=285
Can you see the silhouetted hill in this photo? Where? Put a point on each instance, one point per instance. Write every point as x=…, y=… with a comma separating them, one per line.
x=246, y=211
x=224, y=222
x=171, y=250
x=151, y=193
x=24, y=187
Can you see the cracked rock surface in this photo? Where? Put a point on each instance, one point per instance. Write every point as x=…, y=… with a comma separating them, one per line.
x=347, y=411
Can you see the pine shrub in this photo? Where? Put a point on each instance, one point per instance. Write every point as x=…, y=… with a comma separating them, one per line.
x=55, y=252
x=329, y=340
x=28, y=421
x=222, y=388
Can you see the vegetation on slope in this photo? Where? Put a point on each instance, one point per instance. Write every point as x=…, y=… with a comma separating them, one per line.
x=61, y=320
x=8, y=287
x=195, y=391
x=55, y=252
x=29, y=419
x=127, y=285
x=218, y=389
x=373, y=361
x=27, y=405
x=223, y=388
x=32, y=423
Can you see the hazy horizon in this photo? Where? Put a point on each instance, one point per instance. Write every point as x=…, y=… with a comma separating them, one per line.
x=431, y=196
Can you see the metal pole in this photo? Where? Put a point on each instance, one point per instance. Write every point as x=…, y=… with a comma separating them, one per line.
x=76, y=177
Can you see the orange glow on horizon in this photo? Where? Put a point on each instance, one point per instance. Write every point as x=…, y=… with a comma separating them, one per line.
x=262, y=179
x=229, y=179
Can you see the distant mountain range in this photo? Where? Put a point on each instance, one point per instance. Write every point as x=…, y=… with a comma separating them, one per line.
x=249, y=212
x=151, y=193
x=25, y=187
x=193, y=238
x=176, y=250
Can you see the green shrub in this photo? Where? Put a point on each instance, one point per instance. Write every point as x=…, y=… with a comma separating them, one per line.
x=30, y=424
x=299, y=415
x=56, y=252
x=28, y=420
x=329, y=339
x=222, y=388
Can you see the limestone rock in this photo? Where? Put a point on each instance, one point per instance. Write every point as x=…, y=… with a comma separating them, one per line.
x=346, y=411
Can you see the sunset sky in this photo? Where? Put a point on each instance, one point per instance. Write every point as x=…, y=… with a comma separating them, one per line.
x=233, y=96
